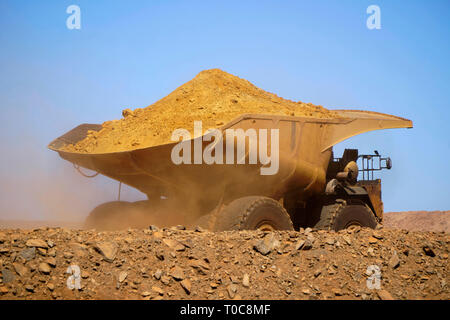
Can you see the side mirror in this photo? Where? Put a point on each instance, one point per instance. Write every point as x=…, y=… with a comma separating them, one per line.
x=388, y=163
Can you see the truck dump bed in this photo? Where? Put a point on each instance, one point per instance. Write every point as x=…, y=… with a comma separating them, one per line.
x=304, y=152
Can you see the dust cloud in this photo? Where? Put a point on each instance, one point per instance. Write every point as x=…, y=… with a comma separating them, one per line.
x=38, y=188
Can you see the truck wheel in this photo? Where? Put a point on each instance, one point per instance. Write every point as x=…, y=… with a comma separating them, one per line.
x=108, y=216
x=340, y=216
x=121, y=215
x=251, y=213
x=205, y=222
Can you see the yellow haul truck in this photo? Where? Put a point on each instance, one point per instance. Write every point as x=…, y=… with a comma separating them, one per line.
x=311, y=188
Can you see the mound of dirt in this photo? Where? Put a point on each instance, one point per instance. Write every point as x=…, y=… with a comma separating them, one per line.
x=196, y=264
x=437, y=221
x=213, y=96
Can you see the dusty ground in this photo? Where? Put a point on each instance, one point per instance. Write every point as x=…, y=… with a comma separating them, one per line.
x=32, y=224
x=196, y=264
x=418, y=220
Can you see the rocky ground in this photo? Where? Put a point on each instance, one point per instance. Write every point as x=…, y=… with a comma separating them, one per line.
x=196, y=264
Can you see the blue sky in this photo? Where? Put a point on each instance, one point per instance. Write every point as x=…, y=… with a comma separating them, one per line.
x=132, y=53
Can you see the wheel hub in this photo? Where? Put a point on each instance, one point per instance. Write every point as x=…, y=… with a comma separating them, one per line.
x=266, y=227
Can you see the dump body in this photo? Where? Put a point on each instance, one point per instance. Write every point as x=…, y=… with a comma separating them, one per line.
x=305, y=146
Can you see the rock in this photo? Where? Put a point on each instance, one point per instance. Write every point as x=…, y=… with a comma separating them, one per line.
x=187, y=243
x=246, y=280
x=38, y=243
x=199, y=229
x=127, y=113
x=200, y=265
x=337, y=292
x=44, y=268
x=122, y=276
x=310, y=237
x=146, y=294
x=232, y=289
x=384, y=295
x=186, y=285
x=299, y=244
x=28, y=254
x=20, y=269
x=51, y=261
x=377, y=235
x=158, y=234
x=331, y=270
x=42, y=251
x=234, y=279
x=329, y=241
x=7, y=276
x=29, y=288
x=107, y=249
x=347, y=239
x=267, y=244
x=153, y=228
x=372, y=240
x=50, y=243
x=174, y=244
x=394, y=262
x=158, y=290
x=303, y=245
x=3, y=290
x=428, y=251
x=50, y=286
x=78, y=249
x=68, y=255
x=159, y=254
x=165, y=280
x=158, y=274
x=177, y=273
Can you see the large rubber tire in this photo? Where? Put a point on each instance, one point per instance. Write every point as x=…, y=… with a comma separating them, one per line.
x=206, y=222
x=121, y=215
x=108, y=216
x=340, y=216
x=251, y=213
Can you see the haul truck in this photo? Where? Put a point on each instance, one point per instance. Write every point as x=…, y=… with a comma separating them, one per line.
x=312, y=188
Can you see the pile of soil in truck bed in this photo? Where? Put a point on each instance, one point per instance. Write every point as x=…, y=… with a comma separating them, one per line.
x=214, y=97
x=173, y=263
